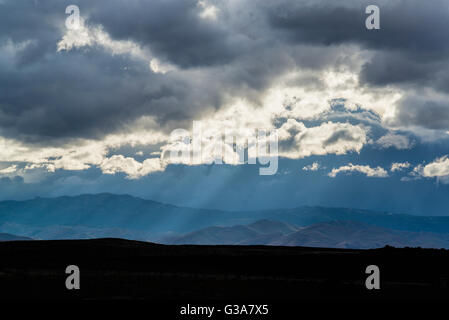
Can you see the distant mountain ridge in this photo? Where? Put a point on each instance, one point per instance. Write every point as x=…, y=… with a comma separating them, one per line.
x=12, y=237
x=333, y=234
x=234, y=234
x=124, y=216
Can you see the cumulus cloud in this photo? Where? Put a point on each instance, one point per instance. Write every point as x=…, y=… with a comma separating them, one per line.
x=327, y=138
x=218, y=50
x=130, y=166
x=405, y=53
x=438, y=168
x=312, y=167
x=81, y=155
x=154, y=66
x=377, y=172
x=398, y=166
x=10, y=169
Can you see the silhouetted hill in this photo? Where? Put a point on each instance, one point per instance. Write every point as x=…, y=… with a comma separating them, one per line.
x=121, y=269
x=109, y=215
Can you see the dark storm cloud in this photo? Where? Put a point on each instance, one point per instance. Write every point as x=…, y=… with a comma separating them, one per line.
x=340, y=135
x=410, y=50
x=86, y=93
x=398, y=68
x=412, y=26
x=424, y=111
x=172, y=28
x=70, y=96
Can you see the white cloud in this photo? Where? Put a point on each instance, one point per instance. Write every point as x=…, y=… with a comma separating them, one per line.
x=130, y=166
x=438, y=168
x=236, y=115
x=397, y=166
x=71, y=157
x=159, y=67
x=312, y=167
x=327, y=138
x=10, y=169
x=301, y=101
x=79, y=155
x=208, y=11
x=378, y=172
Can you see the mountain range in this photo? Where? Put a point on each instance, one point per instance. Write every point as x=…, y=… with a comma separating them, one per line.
x=124, y=216
x=333, y=234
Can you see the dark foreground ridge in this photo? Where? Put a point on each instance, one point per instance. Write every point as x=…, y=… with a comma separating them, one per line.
x=122, y=269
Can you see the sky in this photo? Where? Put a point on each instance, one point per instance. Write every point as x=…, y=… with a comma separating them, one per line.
x=362, y=116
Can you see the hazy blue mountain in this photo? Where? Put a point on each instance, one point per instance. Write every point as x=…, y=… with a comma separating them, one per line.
x=269, y=227
x=105, y=215
x=233, y=234
x=356, y=235
x=109, y=215
x=215, y=235
x=334, y=234
x=12, y=237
